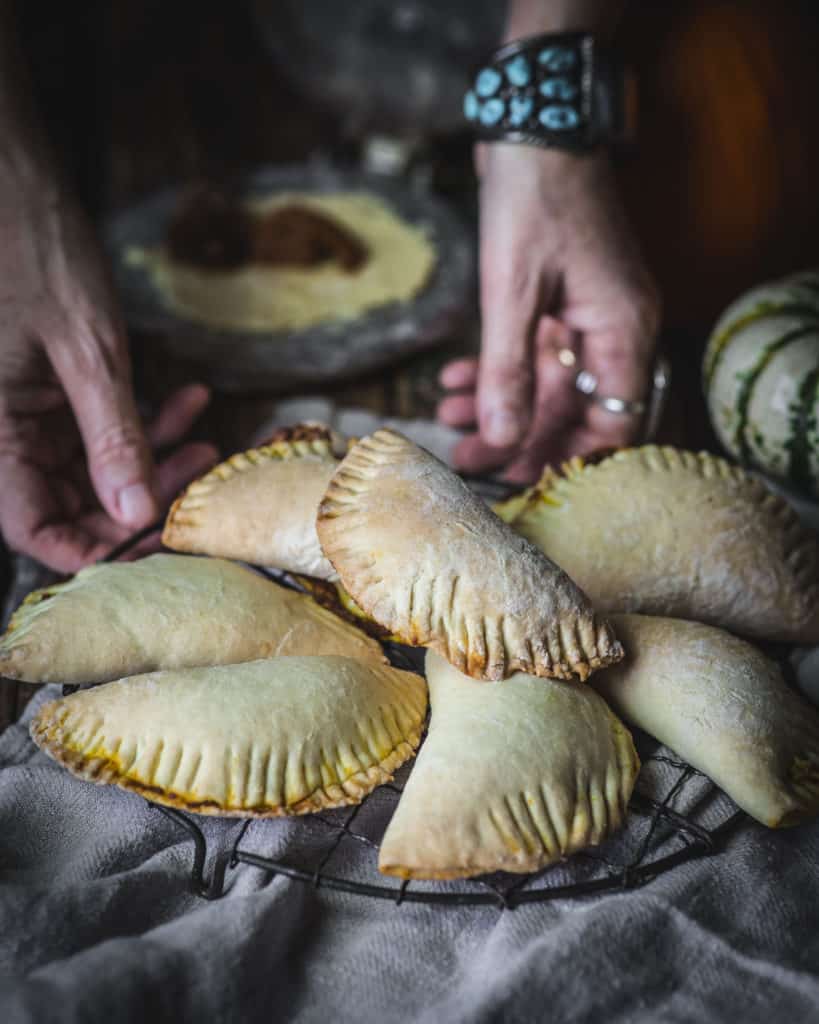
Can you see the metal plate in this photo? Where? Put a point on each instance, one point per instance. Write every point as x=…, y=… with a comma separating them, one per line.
x=280, y=361
x=422, y=54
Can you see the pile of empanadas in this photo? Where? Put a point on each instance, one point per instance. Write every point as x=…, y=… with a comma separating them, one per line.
x=225, y=693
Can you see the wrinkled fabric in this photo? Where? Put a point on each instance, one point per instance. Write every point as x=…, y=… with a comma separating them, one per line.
x=97, y=923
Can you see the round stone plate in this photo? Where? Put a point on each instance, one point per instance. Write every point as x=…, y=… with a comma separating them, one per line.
x=279, y=360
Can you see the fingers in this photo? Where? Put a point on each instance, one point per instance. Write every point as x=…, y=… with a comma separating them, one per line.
x=186, y=463
x=33, y=522
x=621, y=362
x=510, y=300
x=474, y=455
x=460, y=374
x=458, y=411
x=172, y=475
x=95, y=372
x=178, y=414
x=504, y=385
x=556, y=404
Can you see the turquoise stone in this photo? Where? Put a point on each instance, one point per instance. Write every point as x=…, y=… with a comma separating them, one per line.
x=487, y=82
x=557, y=58
x=558, y=89
x=517, y=71
x=520, y=108
x=559, y=118
x=471, y=106
x=492, y=111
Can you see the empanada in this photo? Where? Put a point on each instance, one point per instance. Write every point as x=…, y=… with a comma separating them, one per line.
x=265, y=738
x=670, y=532
x=723, y=707
x=166, y=611
x=510, y=778
x=431, y=563
x=260, y=506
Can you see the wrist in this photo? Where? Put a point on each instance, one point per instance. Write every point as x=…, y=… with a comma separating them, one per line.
x=565, y=91
x=532, y=17
x=552, y=165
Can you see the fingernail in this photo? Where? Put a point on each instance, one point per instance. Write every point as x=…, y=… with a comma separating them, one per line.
x=136, y=505
x=502, y=429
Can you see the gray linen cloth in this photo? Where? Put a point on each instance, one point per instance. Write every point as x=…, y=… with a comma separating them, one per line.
x=97, y=924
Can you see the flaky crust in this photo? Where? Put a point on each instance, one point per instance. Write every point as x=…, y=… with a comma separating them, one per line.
x=511, y=777
x=163, y=612
x=670, y=532
x=263, y=739
x=425, y=558
x=259, y=506
x=724, y=708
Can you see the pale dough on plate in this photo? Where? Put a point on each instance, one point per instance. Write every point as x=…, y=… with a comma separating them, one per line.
x=669, y=532
x=722, y=706
x=511, y=777
x=264, y=298
x=166, y=611
x=424, y=557
x=281, y=736
x=259, y=506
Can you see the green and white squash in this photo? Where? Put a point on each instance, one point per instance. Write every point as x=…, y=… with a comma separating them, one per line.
x=761, y=379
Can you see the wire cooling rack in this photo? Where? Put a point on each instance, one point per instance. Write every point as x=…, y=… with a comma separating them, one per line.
x=656, y=821
x=656, y=838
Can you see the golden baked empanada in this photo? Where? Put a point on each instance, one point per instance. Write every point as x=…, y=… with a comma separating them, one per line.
x=265, y=738
x=260, y=506
x=723, y=707
x=166, y=611
x=431, y=563
x=668, y=532
x=510, y=777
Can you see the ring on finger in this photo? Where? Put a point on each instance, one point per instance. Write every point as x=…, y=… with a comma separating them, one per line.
x=587, y=384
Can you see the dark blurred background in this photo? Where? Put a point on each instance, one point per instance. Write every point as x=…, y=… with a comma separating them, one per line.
x=721, y=183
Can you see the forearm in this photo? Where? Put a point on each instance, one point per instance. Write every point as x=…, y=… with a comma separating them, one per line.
x=531, y=17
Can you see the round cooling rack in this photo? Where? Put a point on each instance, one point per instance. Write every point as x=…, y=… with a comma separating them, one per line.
x=247, y=361
x=675, y=815
x=656, y=840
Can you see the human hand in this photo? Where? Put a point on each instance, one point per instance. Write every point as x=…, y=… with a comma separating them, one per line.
x=560, y=273
x=75, y=460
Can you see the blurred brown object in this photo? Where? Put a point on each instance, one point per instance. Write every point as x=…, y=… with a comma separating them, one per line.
x=298, y=236
x=209, y=230
x=214, y=231
x=722, y=184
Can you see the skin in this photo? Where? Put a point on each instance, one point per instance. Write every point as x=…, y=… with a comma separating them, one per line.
x=75, y=458
x=560, y=269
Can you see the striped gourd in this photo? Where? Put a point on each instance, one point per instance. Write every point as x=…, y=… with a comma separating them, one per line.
x=761, y=379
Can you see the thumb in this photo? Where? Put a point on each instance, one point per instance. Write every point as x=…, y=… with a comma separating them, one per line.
x=95, y=372
x=510, y=299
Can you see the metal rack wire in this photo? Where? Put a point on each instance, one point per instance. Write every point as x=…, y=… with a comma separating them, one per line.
x=503, y=891
x=658, y=823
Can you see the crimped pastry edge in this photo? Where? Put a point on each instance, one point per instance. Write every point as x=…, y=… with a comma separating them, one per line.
x=102, y=771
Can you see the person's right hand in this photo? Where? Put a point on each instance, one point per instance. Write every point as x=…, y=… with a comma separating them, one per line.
x=76, y=470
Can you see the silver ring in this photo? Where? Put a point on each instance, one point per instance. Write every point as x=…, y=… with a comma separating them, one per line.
x=619, y=405
x=586, y=383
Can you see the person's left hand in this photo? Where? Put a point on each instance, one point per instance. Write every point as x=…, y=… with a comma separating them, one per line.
x=560, y=273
